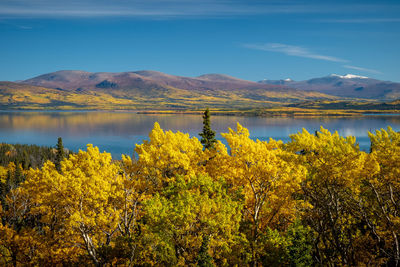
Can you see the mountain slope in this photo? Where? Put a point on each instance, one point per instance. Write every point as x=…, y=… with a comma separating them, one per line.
x=155, y=90
x=72, y=80
x=349, y=85
x=15, y=95
x=151, y=89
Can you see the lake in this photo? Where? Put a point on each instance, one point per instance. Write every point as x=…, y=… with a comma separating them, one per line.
x=118, y=132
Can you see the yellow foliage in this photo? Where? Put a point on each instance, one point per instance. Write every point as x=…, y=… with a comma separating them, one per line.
x=77, y=207
x=168, y=154
x=268, y=179
x=333, y=158
x=3, y=174
x=234, y=204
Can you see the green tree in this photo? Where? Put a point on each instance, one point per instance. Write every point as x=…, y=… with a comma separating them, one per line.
x=300, y=244
x=60, y=153
x=18, y=175
x=336, y=170
x=203, y=258
x=207, y=135
x=178, y=219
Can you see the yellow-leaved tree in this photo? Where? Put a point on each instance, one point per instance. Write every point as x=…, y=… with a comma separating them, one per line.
x=167, y=155
x=174, y=160
x=269, y=181
x=336, y=171
x=382, y=192
x=76, y=210
x=189, y=215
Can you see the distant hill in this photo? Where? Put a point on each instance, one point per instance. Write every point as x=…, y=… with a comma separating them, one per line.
x=23, y=96
x=350, y=86
x=73, y=80
x=348, y=105
x=146, y=90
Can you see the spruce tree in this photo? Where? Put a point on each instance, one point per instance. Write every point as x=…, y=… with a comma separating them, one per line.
x=18, y=175
x=207, y=135
x=60, y=154
x=4, y=189
x=203, y=258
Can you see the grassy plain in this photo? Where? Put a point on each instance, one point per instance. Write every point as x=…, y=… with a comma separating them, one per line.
x=14, y=96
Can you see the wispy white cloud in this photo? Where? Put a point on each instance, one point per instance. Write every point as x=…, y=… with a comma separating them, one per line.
x=298, y=51
x=22, y=27
x=362, y=69
x=361, y=20
x=171, y=8
x=292, y=50
x=25, y=27
x=137, y=8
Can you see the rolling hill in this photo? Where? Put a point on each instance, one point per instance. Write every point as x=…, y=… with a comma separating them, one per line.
x=145, y=90
x=152, y=90
x=147, y=80
x=23, y=96
x=346, y=86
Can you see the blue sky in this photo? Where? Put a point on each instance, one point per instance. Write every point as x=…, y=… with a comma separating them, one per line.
x=252, y=40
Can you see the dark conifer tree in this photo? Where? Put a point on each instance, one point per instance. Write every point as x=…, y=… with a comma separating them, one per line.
x=60, y=154
x=18, y=175
x=207, y=135
x=3, y=190
x=203, y=258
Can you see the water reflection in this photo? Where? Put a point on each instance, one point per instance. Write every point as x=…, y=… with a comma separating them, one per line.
x=117, y=132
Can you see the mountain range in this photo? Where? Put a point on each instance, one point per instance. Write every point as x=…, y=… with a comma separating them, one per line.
x=345, y=86
x=71, y=89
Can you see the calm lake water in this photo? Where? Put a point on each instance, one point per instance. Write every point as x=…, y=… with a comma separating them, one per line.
x=118, y=132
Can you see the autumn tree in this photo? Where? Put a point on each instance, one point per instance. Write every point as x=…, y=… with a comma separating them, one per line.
x=381, y=203
x=77, y=208
x=336, y=171
x=167, y=155
x=161, y=159
x=136, y=189
x=317, y=200
x=181, y=218
x=3, y=184
x=207, y=135
x=18, y=244
x=269, y=182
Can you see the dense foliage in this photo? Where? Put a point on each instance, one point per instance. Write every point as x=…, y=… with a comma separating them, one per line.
x=29, y=156
x=316, y=200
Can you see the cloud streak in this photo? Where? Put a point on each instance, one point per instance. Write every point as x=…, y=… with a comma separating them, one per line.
x=170, y=8
x=362, y=69
x=292, y=50
x=22, y=27
x=298, y=51
x=361, y=20
x=148, y=8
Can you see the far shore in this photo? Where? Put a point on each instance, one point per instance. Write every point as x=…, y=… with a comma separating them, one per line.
x=267, y=112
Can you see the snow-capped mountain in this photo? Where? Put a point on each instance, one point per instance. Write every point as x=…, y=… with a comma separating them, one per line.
x=276, y=82
x=348, y=85
x=349, y=76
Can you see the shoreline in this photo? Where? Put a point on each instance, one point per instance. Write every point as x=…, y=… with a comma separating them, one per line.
x=269, y=112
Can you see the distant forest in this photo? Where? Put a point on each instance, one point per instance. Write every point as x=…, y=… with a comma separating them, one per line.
x=28, y=156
